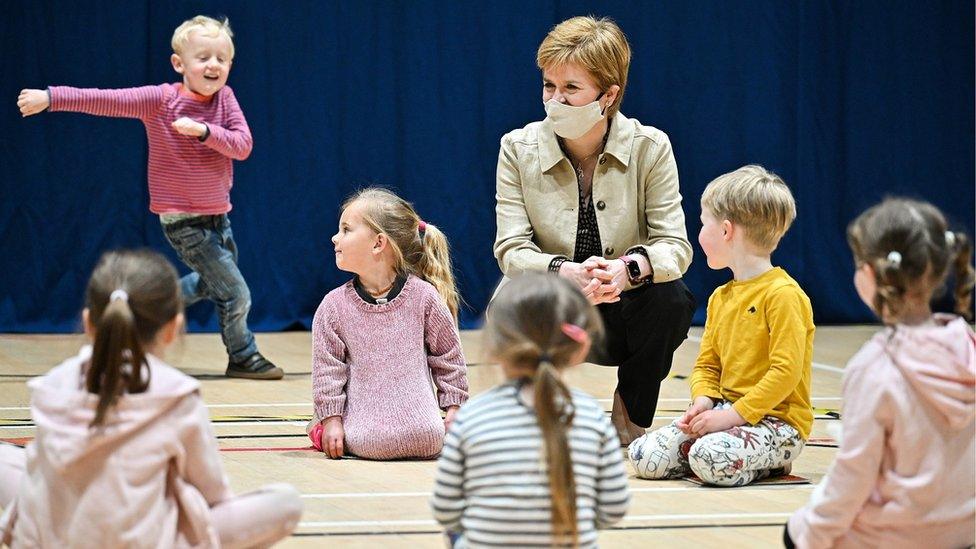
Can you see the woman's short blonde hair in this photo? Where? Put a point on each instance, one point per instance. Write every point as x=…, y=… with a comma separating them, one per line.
x=206, y=25
x=596, y=45
x=756, y=199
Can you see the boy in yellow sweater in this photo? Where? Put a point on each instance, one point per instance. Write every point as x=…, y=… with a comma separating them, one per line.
x=750, y=414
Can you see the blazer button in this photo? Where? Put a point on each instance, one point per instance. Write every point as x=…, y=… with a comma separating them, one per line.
x=603, y=160
x=601, y=205
x=608, y=251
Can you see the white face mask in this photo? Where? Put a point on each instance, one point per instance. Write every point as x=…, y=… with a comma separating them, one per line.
x=572, y=122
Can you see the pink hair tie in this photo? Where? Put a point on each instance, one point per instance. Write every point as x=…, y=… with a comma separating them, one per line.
x=575, y=333
x=421, y=226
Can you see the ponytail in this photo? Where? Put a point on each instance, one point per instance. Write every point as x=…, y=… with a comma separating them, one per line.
x=963, y=291
x=434, y=266
x=131, y=295
x=553, y=408
x=538, y=325
x=117, y=360
x=419, y=248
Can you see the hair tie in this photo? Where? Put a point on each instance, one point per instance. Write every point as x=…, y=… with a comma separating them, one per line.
x=544, y=357
x=119, y=294
x=422, y=226
x=574, y=332
x=894, y=258
x=950, y=239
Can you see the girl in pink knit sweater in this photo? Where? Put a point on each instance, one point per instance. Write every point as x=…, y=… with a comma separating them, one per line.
x=904, y=472
x=125, y=455
x=381, y=338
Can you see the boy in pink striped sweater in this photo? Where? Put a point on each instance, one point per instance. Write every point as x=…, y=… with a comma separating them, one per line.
x=195, y=130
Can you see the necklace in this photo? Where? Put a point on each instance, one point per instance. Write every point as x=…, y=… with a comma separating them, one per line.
x=579, y=165
x=384, y=291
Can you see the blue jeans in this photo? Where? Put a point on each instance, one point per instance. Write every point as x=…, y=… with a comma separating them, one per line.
x=206, y=245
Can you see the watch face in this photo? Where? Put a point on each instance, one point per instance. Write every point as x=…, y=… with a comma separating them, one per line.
x=633, y=270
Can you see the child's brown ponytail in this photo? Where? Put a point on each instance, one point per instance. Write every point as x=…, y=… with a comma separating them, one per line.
x=131, y=295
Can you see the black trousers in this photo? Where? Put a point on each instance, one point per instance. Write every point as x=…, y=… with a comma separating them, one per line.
x=643, y=330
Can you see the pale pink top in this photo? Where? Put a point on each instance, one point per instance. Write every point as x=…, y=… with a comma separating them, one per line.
x=147, y=478
x=904, y=473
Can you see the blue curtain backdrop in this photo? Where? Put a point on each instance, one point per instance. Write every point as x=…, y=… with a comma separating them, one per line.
x=848, y=101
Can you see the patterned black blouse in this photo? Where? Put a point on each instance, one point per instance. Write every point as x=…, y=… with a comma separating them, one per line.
x=587, y=232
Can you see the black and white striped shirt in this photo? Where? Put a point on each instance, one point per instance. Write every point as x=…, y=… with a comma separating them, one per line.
x=492, y=484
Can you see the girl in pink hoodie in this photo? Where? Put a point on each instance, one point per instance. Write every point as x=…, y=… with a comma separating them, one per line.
x=124, y=454
x=904, y=472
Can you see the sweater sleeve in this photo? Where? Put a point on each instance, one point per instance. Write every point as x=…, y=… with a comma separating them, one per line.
x=840, y=496
x=234, y=140
x=612, y=497
x=448, y=500
x=444, y=355
x=203, y=468
x=514, y=247
x=706, y=374
x=790, y=318
x=667, y=247
x=140, y=102
x=329, y=369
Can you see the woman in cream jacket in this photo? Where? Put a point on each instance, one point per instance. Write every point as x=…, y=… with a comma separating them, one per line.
x=593, y=196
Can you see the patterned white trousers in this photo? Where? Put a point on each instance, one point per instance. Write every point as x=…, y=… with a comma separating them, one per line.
x=734, y=457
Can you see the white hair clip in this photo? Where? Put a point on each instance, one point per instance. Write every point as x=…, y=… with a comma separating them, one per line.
x=894, y=258
x=119, y=294
x=951, y=239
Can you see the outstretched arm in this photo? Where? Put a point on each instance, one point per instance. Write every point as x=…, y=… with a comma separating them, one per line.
x=122, y=103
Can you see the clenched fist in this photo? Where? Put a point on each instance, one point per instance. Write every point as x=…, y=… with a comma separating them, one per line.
x=32, y=101
x=189, y=126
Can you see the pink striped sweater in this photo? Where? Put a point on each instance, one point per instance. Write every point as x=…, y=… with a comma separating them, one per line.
x=372, y=364
x=185, y=174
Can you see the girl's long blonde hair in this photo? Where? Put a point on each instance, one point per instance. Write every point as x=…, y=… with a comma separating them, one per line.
x=421, y=250
x=525, y=331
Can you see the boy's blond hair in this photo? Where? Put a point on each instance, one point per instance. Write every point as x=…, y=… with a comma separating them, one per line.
x=757, y=200
x=206, y=25
x=596, y=45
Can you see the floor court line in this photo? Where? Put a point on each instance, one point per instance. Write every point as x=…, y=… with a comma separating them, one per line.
x=637, y=490
x=340, y=533
x=628, y=518
x=303, y=424
x=308, y=404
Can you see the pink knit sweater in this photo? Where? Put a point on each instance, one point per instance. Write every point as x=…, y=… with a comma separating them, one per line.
x=185, y=174
x=372, y=364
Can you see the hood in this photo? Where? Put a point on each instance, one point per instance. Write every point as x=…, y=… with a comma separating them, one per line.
x=939, y=361
x=62, y=409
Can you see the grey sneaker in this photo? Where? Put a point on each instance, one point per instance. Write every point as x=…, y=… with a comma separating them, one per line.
x=254, y=367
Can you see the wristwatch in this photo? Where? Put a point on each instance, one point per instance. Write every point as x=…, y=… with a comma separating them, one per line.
x=633, y=269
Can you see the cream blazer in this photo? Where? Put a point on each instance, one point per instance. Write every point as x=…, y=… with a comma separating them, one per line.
x=635, y=194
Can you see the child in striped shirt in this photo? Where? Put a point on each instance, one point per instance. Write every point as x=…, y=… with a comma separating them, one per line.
x=195, y=129
x=532, y=463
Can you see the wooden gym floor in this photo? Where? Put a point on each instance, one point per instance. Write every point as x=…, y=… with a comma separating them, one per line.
x=357, y=503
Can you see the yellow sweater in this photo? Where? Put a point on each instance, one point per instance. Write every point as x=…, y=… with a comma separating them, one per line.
x=757, y=350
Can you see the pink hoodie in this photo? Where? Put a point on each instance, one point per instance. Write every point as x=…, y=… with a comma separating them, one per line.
x=904, y=473
x=147, y=478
